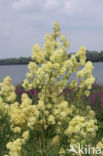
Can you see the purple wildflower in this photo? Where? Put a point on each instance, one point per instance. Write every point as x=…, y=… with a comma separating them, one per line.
x=92, y=99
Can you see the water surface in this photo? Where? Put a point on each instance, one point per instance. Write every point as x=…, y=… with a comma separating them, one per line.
x=18, y=72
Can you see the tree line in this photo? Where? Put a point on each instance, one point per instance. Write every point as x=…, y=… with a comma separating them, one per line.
x=93, y=56
x=15, y=61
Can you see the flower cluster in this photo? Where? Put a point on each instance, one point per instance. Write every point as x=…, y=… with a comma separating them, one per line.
x=55, y=121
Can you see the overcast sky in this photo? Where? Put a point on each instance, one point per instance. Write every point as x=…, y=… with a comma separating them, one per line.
x=25, y=22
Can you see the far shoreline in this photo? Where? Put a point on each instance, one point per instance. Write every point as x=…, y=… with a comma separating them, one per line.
x=92, y=56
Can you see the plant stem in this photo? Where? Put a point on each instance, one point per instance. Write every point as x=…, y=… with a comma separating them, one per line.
x=42, y=144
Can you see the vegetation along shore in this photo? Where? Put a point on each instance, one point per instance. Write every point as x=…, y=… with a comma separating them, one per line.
x=93, y=56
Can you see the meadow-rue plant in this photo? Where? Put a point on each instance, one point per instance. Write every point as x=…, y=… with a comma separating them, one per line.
x=50, y=120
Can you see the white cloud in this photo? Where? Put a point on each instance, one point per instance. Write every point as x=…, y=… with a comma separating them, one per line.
x=63, y=6
x=22, y=3
x=66, y=6
x=44, y=4
x=52, y=3
x=75, y=6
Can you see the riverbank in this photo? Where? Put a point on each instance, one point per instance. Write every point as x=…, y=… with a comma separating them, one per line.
x=93, y=56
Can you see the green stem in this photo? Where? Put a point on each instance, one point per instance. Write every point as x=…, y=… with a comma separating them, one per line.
x=42, y=144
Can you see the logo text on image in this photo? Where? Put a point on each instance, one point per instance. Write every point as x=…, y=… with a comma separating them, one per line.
x=85, y=150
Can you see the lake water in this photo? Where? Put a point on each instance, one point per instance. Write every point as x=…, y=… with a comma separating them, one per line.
x=18, y=72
